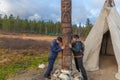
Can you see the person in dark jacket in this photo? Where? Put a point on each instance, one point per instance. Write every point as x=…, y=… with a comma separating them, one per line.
x=54, y=49
x=77, y=48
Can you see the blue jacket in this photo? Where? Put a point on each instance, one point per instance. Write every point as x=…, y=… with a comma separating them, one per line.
x=54, y=49
x=77, y=47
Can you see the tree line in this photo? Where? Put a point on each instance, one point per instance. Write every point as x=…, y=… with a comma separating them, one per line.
x=11, y=24
x=83, y=30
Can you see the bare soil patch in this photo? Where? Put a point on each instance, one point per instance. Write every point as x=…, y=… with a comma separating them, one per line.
x=25, y=42
x=108, y=69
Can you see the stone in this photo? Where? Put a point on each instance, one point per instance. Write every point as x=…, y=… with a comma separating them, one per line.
x=57, y=73
x=54, y=78
x=77, y=78
x=78, y=74
x=62, y=74
x=42, y=66
x=64, y=77
x=68, y=72
x=67, y=75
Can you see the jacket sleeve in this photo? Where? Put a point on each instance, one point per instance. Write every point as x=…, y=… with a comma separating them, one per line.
x=54, y=49
x=82, y=47
x=76, y=48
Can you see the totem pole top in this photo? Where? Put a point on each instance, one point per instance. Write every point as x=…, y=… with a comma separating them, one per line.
x=110, y=3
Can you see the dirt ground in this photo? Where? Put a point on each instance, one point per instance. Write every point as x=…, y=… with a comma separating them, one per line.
x=108, y=69
x=39, y=43
x=24, y=42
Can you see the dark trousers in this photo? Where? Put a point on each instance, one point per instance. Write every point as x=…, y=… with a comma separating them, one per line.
x=50, y=67
x=80, y=67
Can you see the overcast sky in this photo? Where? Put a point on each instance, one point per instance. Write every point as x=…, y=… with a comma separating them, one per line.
x=50, y=9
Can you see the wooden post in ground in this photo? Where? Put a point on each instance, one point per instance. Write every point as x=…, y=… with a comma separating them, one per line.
x=66, y=33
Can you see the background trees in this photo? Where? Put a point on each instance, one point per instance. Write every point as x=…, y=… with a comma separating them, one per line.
x=11, y=24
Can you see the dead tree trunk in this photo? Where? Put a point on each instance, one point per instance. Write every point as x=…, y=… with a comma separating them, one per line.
x=66, y=33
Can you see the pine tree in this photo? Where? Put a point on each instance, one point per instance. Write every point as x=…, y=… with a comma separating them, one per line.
x=88, y=27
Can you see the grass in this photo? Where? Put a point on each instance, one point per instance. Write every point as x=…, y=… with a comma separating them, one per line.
x=27, y=62
x=22, y=53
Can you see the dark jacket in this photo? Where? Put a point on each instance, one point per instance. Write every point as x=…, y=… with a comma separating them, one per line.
x=54, y=49
x=77, y=47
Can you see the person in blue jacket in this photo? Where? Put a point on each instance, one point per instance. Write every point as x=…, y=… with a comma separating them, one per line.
x=54, y=49
x=77, y=48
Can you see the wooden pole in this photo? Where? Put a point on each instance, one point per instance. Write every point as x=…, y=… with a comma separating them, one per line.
x=66, y=33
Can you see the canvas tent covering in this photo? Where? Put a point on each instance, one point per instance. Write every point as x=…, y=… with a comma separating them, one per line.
x=108, y=23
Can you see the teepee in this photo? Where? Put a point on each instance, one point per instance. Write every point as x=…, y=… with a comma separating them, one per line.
x=106, y=26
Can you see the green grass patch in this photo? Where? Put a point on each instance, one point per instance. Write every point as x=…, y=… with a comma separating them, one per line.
x=27, y=62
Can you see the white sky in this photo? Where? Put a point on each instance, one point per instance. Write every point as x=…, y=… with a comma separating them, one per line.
x=50, y=9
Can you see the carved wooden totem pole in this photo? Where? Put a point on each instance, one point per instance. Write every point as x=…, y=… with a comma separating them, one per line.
x=66, y=33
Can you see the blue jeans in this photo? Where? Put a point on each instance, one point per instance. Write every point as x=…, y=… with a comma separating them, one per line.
x=50, y=67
